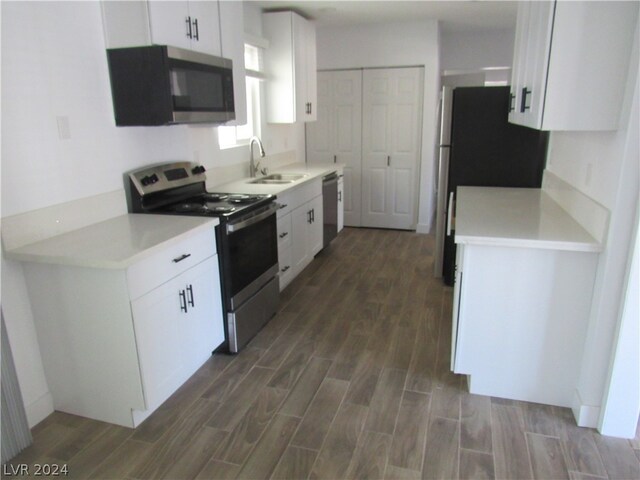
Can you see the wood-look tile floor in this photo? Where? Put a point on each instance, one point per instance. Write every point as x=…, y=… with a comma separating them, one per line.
x=349, y=380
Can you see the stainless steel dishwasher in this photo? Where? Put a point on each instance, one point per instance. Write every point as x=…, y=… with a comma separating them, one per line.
x=330, y=207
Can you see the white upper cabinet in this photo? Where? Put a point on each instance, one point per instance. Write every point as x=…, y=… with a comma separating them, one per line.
x=290, y=65
x=570, y=64
x=183, y=24
x=232, y=34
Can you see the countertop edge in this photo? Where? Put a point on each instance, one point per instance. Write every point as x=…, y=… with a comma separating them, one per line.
x=526, y=243
x=66, y=260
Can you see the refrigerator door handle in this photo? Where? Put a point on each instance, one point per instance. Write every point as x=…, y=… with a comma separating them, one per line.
x=450, y=214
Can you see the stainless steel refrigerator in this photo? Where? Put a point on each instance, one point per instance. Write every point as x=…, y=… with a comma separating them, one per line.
x=479, y=147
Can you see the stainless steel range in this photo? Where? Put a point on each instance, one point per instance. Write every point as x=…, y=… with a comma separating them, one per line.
x=246, y=239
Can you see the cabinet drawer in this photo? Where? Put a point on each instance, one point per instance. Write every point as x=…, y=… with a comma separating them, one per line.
x=284, y=232
x=169, y=262
x=285, y=202
x=285, y=274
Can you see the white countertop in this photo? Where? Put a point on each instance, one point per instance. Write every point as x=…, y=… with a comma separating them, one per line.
x=310, y=171
x=517, y=217
x=115, y=243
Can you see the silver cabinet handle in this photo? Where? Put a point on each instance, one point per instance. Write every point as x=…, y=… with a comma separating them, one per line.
x=450, y=214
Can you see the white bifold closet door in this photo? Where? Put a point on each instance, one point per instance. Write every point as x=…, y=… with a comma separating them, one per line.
x=391, y=141
x=336, y=136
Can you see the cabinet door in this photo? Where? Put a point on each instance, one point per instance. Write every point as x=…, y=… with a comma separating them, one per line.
x=310, y=71
x=205, y=22
x=170, y=23
x=158, y=323
x=320, y=139
x=519, y=62
x=203, y=328
x=392, y=114
x=300, y=248
x=300, y=67
x=316, y=226
x=232, y=34
x=336, y=135
x=177, y=326
x=340, y=204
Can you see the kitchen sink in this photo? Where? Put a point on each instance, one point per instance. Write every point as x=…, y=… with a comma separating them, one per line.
x=278, y=178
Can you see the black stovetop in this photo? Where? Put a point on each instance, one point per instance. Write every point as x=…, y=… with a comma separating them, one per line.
x=222, y=205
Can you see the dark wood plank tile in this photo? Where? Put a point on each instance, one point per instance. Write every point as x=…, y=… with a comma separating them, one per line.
x=196, y=454
x=583, y=476
x=81, y=436
x=578, y=445
x=347, y=359
x=407, y=446
x=369, y=459
x=306, y=387
x=320, y=414
x=218, y=470
x=270, y=448
x=397, y=473
x=540, y=419
x=288, y=373
x=230, y=412
x=272, y=330
x=476, y=465
x=82, y=464
x=170, y=447
x=547, y=460
x=618, y=457
x=280, y=348
x=122, y=461
x=216, y=364
x=228, y=380
x=384, y=406
x=509, y=443
x=423, y=359
x=445, y=401
x=237, y=446
x=174, y=408
x=475, y=423
x=402, y=346
x=340, y=444
x=441, y=450
x=295, y=463
x=364, y=380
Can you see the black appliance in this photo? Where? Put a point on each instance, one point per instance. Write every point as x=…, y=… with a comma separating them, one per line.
x=246, y=240
x=479, y=147
x=161, y=85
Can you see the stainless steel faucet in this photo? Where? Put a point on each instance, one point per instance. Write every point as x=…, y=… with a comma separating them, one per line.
x=253, y=167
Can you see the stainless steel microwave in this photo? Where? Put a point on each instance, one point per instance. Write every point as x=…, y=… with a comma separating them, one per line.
x=162, y=85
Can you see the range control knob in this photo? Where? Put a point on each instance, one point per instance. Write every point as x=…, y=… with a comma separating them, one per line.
x=197, y=170
x=145, y=180
x=154, y=178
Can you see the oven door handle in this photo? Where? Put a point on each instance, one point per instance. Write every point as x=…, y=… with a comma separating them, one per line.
x=234, y=227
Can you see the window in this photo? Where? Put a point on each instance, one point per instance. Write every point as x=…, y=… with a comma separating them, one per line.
x=232, y=136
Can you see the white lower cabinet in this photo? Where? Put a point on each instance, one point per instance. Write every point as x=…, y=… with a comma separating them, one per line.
x=520, y=318
x=174, y=331
x=300, y=229
x=117, y=342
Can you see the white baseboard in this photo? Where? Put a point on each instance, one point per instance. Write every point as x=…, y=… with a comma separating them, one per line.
x=423, y=228
x=39, y=410
x=585, y=415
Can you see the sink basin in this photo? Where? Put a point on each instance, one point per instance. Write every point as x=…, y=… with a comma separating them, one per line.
x=279, y=178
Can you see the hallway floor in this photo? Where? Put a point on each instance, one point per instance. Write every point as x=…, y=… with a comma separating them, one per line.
x=349, y=380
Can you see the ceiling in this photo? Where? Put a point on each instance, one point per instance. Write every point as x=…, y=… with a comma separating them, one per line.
x=454, y=15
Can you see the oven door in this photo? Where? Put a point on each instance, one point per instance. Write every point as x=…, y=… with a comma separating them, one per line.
x=252, y=254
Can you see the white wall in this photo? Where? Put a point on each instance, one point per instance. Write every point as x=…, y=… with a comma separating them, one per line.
x=470, y=51
x=605, y=166
x=393, y=45
x=54, y=67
